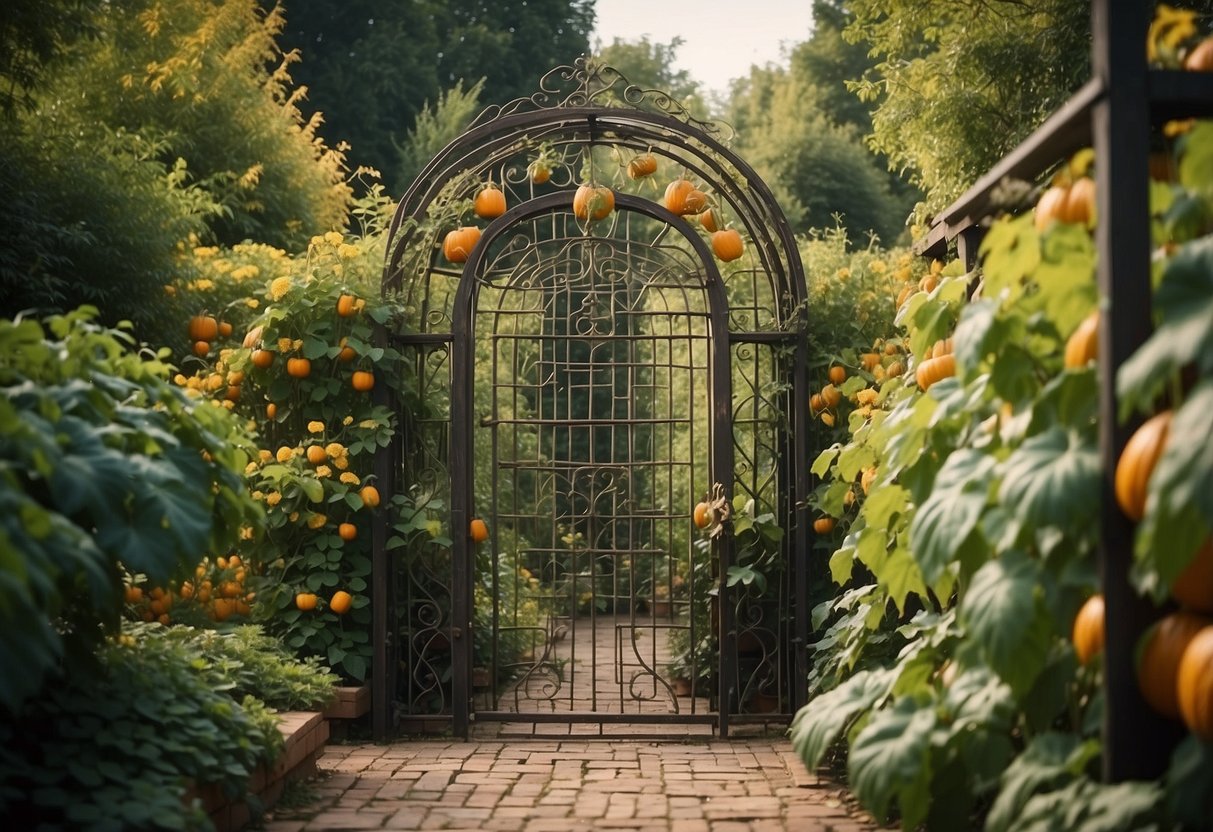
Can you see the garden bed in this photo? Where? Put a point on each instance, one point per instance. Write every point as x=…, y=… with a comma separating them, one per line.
x=304, y=734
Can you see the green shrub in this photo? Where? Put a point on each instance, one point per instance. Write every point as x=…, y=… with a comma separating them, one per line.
x=102, y=461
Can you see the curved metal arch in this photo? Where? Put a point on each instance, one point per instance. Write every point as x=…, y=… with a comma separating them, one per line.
x=484, y=146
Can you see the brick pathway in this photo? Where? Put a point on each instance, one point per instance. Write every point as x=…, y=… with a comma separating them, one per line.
x=752, y=785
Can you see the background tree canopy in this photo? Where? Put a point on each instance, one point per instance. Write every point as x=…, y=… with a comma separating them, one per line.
x=372, y=67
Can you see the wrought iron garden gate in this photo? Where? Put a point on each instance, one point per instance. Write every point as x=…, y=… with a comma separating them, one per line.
x=576, y=386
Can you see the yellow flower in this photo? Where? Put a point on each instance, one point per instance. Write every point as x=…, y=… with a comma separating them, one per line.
x=246, y=533
x=348, y=420
x=264, y=455
x=334, y=449
x=297, y=344
x=877, y=266
x=180, y=380
x=294, y=516
x=323, y=471
x=316, y=521
x=333, y=238
x=279, y=287
x=203, y=252
x=245, y=272
x=349, y=478
x=315, y=427
x=284, y=345
x=285, y=454
x=844, y=273
x=342, y=462
x=252, y=303
x=316, y=240
x=273, y=498
x=250, y=468
x=257, y=495
x=170, y=290
x=345, y=251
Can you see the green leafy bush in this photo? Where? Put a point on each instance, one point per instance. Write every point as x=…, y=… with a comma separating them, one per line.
x=102, y=461
x=113, y=743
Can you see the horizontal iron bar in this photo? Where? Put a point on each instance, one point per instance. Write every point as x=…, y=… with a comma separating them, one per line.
x=594, y=717
x=570, y=423
x=665, y=739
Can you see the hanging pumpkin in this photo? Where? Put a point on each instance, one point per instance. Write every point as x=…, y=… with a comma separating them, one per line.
x=1158, y=666
x=1193, y=587
x=1082, y=346
x=727, y=244
x=641, y=166
x=458, y=244
x=593, y=202
x=676, y=194
x=710, y=220
x=1088, y=633
x=1137, y=462
x=490, y=202
x=1194, y=685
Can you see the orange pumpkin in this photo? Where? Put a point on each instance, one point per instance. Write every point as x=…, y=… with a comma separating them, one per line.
x=347, y=531
x=823, y=525
x=1082, y=347
x=340, y=602
x=702, y=515
x=306, y=601
x=490, y=202
x=675, y=199
x=935, y=369
x=641, y=166
x=1137, y=461
x=1200, y=59
x=539, y=171
x=347, y=306
x=727, y=244
x=870, y=360
x=1158, y=667
x=838, y=374
x=710, y=220
x=1088, y=633
x=262, y=359
x=1080, y=201
x=1194, y=685
x=203, y=328
x=478, y=530
x=816, y=403
x=271, y=410
x=225, y=329
x=1193, y=587
x=867, y=478
x=696, y=201
x=252, y=338
x=592, y=202
x=369, y=495
x=202, y=348
x=458, y=244
x=895, y=369
x=831, y=395
x=1049, y=206
x=298, y=367
x=363, y=380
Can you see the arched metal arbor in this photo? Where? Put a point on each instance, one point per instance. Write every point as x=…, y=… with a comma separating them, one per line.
x=579, y=385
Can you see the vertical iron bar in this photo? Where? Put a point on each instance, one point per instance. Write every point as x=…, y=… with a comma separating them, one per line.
x=383, y=579
x=460, y=455
x=801, y=553
x=1136, y=741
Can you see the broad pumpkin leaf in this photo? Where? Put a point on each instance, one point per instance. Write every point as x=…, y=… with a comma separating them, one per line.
x=1190, y=783
x=1049, y=759
x=900, y=575
x=1179, y=503
x=1065, y=278
x=890, y=760
x=885, y=502
x=1010, y=253
x=1184, y=301
x=1013, y=374
x=942, y=523
x=1006, y=617
x=1052, y=479
x=821, y=465
x=981, y=332
x=1070, y=399
x=819, y=723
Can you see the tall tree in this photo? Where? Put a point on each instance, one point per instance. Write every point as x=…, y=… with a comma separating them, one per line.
x=370, y=67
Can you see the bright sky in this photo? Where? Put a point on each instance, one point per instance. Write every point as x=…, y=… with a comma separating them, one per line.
x=721, y=38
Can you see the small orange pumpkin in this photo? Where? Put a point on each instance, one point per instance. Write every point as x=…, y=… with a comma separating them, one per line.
x=490, y=202
x=478, y=530
x=347, y=531
x=539, y=171
x=298, y=367
x=340, y=602
x=675, y=198
x=1200, y=59
x=369, y=495
x=1082, y=347
x=458, y=243
x=203, y=328
x=347, y=306
x=1049, y=206
x=262, y=359
x=592, y=202
x=1088, y=632
x=202, y=348
x=306, y=601
x=1194, y=685
x=831, y=395
x=823, y=525
x=1080, y=201
x=1158, y=667
x=838, y=374
x=710, y=220
x=363, y=380
x=727, y=244
x=702, y=515
x=935, y=369
x=641, y=166
x=1137, y=461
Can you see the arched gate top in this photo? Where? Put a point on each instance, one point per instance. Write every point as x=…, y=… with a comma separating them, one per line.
x=585, y=124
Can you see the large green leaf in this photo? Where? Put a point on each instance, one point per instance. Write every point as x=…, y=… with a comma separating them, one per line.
x=1048, y=760
x=890, y=760
x=819, y=723
x=1184, y=301
x=1011, y=253
x=1052, y=479
x=942, y=523
x=1005, y=615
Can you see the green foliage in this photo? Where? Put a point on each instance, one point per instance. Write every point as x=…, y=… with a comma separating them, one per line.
x=957, y=86
x=247, y=662
x=433, y=45
x=32, y=34
x=436, y=126
x=102, y=461
x=112, y=744
x=650, y=65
